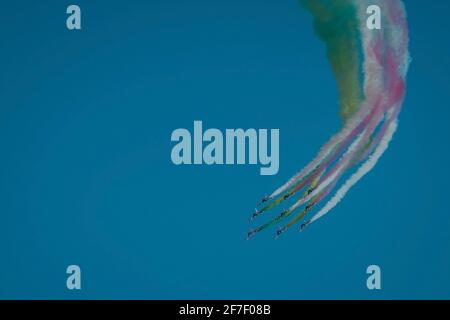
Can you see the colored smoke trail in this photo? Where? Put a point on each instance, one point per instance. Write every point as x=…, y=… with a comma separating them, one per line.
x=370, y=67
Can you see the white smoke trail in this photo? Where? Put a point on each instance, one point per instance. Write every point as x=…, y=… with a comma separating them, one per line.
x=361, y=172
x=331, y=178
x=349, y=156
x=396, y=39
x=373, y=81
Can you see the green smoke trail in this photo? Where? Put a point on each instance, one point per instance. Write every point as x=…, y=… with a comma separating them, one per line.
x=336, y=24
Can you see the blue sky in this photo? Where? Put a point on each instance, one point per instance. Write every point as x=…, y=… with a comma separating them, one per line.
x=86, y=175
